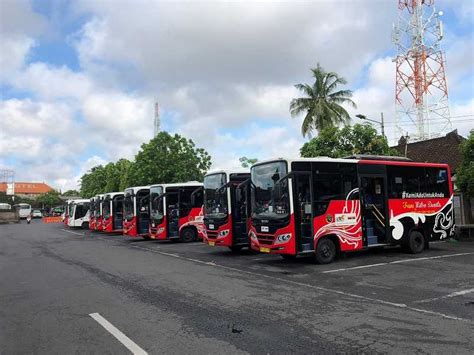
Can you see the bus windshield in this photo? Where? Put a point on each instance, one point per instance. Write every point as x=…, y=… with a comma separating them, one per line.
x=128, y=204
x=106, y=208
x=156, y=203
x=215, y=203
x=270, y=199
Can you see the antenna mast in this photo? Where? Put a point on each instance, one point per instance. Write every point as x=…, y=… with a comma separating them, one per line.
x=156, y=126
x=421, y=92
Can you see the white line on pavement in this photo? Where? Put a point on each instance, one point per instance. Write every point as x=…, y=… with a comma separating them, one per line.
x=395, y=262
x=76, y=233
x=454, y=294
x=125, y=340
x=323, y=289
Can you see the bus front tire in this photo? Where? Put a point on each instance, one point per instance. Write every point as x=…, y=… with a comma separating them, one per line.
x=85, y=225
x=415, y=243
x=325, y=251
x=188, y=235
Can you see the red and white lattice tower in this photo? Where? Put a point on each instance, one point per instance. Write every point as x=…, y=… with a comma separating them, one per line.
x=421, y=92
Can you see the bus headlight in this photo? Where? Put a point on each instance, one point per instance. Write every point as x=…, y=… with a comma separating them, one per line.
x=223, y=233
x=252, y=235
x=160, y=230
x=282, y=238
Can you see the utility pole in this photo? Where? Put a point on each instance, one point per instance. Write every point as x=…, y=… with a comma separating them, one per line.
x=382, y=124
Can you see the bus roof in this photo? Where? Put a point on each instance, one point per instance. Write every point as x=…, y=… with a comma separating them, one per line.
x=364, y=160
x=228, y=171
x=84, y=200
x=315, y=160
x=179, y=184
x=137, y=188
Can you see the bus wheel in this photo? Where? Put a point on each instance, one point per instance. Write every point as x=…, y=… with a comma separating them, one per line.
x=325, y=251
x=236, y=248
x=188, y=235
x=85, y=225
x=415, y=243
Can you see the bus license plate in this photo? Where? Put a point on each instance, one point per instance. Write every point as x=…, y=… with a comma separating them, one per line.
x=264, y=250
x=212, y=244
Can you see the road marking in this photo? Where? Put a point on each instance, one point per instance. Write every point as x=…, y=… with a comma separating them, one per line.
x=319, y=288
x=125, y=340
x=395, y=262
x=323, y=289
x=76, y=233
x=454, y=294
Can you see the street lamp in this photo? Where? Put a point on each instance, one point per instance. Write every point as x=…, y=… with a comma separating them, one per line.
x=381, y=123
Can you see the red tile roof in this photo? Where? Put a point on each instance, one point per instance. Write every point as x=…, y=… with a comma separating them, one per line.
x=28, y=188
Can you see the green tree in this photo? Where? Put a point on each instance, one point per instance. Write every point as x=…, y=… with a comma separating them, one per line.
x=247, y=162
x=167, y=159
x=322, y=102
x=71, y=193
x=93, y=182
x=336, y=143
x=465, y=172
x=48, y=199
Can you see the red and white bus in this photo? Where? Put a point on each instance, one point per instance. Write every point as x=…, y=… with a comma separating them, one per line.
x=320, y=206
x=93, y=206
x=176, y=211
x=79, y=214
x=227, y=209
x=112, y=212
x=136, y=214
x=98, y=212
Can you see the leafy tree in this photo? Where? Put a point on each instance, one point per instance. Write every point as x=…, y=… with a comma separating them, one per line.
x=322, y=103
x=71, y=193
x=167, y=159
x=48, y=199
x=465, y=172
x=93, y=182
x=247, y=162
x=336, y=143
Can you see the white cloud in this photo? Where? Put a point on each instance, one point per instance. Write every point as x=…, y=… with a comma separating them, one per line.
x=222, y=71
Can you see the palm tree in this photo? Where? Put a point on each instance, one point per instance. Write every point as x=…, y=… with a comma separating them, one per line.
x=322, y=103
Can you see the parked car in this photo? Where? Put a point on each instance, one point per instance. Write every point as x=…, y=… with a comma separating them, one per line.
x=36, y=214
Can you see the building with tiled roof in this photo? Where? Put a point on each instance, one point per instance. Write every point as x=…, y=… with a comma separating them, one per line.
x=443, y=150
x=28, y=189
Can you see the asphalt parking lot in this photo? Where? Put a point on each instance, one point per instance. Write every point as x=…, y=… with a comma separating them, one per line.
x=64, y=291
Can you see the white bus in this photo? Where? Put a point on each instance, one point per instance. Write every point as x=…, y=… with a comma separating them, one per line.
x=5, y=206
x=79, y=214
x=24, y=209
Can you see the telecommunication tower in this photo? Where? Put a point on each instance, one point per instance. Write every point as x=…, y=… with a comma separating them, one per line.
x=156, y=126
x=421, y=92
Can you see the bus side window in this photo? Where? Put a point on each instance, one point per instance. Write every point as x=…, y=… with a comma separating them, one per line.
x=437, y=181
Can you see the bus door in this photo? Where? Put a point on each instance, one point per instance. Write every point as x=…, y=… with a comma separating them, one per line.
x=303, y=211
x=143, y=213
x=117, y=211
x=374, y=209
x=239, y=203
x=172, y=212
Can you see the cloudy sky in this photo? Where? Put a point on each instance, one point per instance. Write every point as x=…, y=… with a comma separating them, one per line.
x=79, y=79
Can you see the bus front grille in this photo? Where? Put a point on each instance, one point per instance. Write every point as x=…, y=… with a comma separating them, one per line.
x=265, y=239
